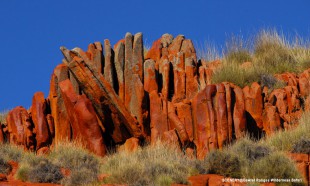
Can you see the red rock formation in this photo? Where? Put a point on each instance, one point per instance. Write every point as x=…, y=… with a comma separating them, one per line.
x=271, y=119
x=106, y=102
x=113, y=96
x=20, y=128
x=290, y=78
x=302, y=161
x=212, y=123
x=131, y=145
x=221, y=116
x=57, y=107
x=133, y=76
x=254, y=102
x=85, y=124
x=201, y=124
x=38, y=115
x=239, y=116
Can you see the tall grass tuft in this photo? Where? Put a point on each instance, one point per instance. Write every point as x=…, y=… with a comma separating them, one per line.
x=3, y=115
x=284, y=140
x=83, y=165
x=208, y=52
x=270, y=53
x=160, y=164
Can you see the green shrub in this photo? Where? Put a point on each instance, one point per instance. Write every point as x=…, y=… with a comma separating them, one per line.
x=302, y=146
x=272, y=50
x=208, y=52
x=72, y=156
x=276, y=165
x=3, y=115
x=4, y=166
x=284, y=140
x=83, y=165
x=237, y=50
x=232, y=72
x=238, y=56
x=271, y=82
x=270, y=53
x=45, y=172
x=152, y=165
x=250, y=150
x=38, y=169
x=11, y=152
x=224, y=163
x=80, y=177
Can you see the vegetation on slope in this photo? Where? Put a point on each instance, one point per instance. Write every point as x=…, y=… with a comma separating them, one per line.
x=269, y=53
x=3, y=115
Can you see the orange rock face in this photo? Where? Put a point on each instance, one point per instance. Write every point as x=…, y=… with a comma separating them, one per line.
x=85, y=124
x=254, y=102
x=59, y=113
x=39, y=118
x=20, y=128
x=201, y=121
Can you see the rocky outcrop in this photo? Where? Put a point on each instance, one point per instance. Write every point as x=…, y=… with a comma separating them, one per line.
x=119, y=98
x=20, y=128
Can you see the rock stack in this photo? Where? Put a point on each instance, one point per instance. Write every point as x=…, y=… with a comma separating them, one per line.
x=120, y=98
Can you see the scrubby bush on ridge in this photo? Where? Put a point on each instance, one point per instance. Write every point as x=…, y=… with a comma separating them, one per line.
x=270, y=52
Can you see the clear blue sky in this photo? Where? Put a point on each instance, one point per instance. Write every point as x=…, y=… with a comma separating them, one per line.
x=31, y=32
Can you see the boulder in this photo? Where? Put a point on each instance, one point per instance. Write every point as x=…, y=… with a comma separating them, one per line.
x=20, y=128
x=85, y=123
x=39, y=113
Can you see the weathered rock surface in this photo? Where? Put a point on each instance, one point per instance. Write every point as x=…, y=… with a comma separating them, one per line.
x=85, y=123
x=39, y=113
x=21, y=128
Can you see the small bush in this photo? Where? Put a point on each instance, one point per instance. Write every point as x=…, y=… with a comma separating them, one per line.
x=208, y=52
x=45, y=172
x=284, y=140
x=238, y=57
x=302, y=146
x=10, y=152
x=3, y=115
x=231, y=72
x=4, y=166
x=271, y=82
x=38, y=169
x=72, y=156
x=237, y=50
x=80, y=177
x=83, y=165
x=276, y=165
x=250, y=150
x=224, y=163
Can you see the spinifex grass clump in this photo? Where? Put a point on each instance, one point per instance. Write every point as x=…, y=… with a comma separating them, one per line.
x=302, y=146
x=152, y=165
x=250, y=159
x=284, y=140
x=269, y=52
x=38, y=169
x=8, y=153
x=223, y=163
x=3, y=115
x=83, y=166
